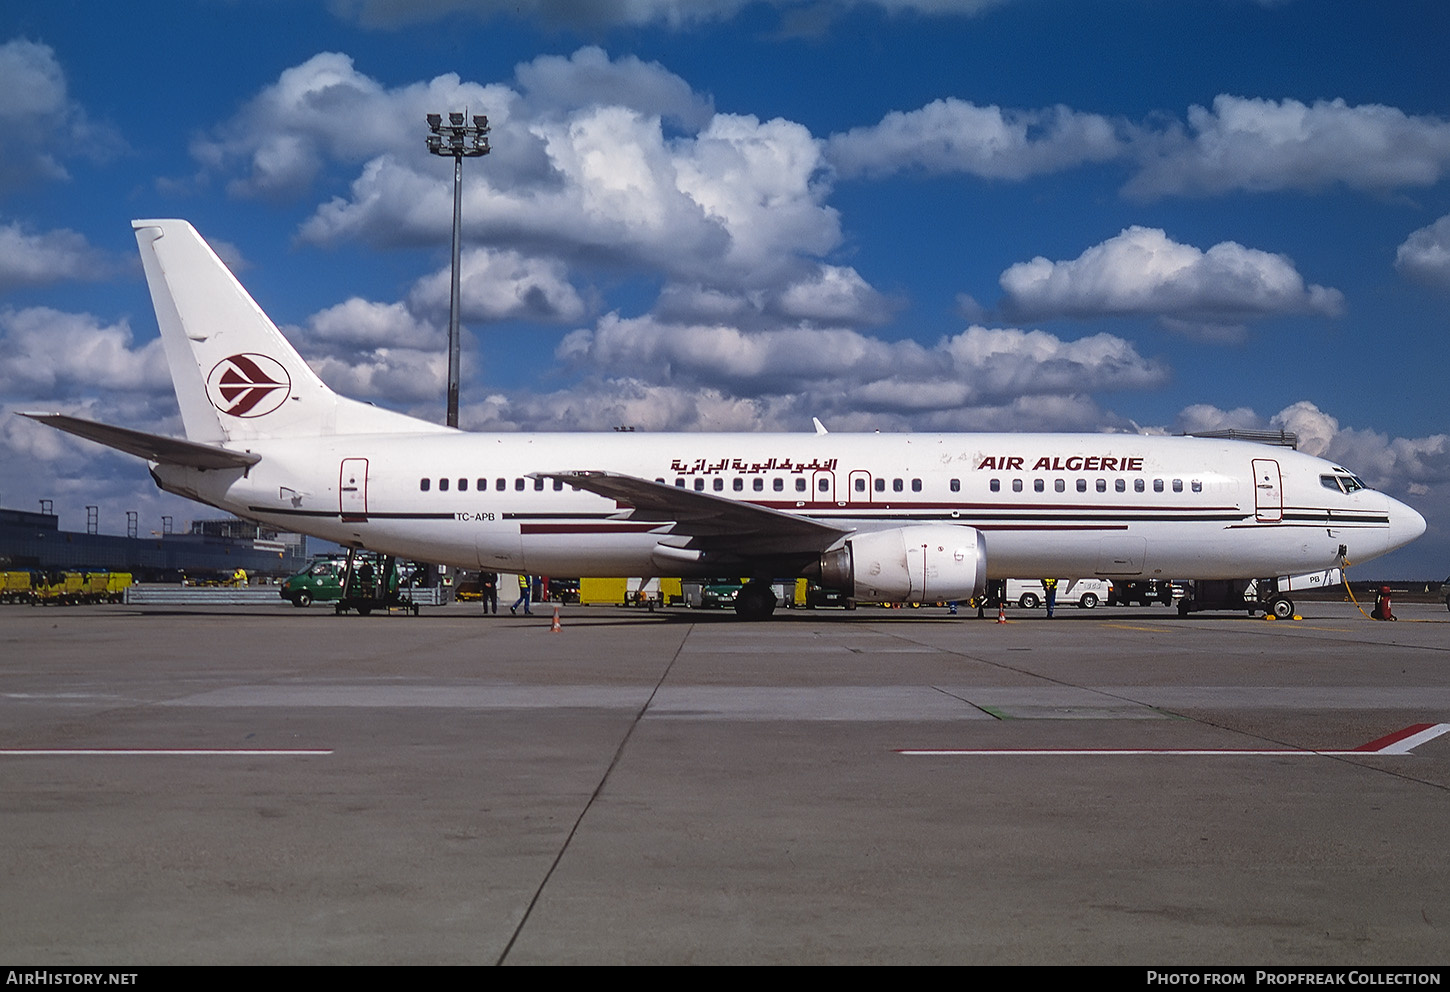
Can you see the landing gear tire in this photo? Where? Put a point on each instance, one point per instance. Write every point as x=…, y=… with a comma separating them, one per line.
x=1282, y=608
x=756, y=601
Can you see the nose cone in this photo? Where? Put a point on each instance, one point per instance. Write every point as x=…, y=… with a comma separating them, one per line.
x=1406, y=524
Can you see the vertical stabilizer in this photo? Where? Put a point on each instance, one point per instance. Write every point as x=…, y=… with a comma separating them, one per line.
x=236, y=377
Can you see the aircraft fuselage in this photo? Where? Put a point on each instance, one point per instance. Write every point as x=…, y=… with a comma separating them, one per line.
x=1080, y=504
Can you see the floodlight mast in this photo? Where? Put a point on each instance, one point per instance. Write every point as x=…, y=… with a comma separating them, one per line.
x=458, y=141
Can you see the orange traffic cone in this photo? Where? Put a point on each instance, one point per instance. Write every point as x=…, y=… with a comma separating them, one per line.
x=1001, y=611
x=554, y=628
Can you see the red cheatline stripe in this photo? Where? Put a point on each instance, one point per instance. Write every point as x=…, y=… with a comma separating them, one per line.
x=602, y=528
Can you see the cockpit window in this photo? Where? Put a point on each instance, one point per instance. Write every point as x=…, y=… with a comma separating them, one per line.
x=1345, y=483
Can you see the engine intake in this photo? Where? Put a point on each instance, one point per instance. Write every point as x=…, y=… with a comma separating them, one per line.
x=909, y=564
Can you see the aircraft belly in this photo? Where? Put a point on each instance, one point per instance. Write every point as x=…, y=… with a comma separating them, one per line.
x=499, y=547
x=576, y=554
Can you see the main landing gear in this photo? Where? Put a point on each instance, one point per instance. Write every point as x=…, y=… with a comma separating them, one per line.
x=1250, y=595
x=755, y=601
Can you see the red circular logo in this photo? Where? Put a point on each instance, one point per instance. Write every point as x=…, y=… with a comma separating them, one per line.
x=248, y=385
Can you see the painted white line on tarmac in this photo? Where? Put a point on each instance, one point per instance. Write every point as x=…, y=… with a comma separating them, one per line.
x=1400, y=742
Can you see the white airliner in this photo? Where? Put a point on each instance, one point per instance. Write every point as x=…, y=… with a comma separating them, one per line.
x=886, y=517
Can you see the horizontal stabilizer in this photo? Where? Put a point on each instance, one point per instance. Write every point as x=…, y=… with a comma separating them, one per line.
x=152, y=447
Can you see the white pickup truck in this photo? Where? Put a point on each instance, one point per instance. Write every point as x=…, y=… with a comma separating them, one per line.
x=1086, y=593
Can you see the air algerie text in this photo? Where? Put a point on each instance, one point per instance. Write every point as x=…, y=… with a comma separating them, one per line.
x=1072, y=463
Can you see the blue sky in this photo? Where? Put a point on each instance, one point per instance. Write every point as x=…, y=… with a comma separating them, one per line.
x=730, y=215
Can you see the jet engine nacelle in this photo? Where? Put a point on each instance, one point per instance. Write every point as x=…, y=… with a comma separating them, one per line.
x=909, y=564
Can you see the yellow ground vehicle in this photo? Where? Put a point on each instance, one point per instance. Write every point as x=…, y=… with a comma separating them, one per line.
x=15, y=587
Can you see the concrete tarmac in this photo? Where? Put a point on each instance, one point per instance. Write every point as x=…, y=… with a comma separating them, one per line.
x=271, y=785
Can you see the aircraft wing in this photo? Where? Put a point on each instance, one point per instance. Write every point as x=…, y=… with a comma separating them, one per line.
x=743, y=527
x=152, y=447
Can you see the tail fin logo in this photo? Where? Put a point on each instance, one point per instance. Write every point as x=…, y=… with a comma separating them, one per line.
x=248, y=385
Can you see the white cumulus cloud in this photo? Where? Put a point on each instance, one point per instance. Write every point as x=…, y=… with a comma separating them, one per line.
x=501, y=285
x=843, y=371
x=951, y=135
x=39, y=123
x=1259, y=145
x=31, y=258
x=46, y=353
x=1425, y=254
x=1143, y=272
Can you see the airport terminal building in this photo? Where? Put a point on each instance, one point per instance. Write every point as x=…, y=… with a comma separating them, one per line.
x=211, y=547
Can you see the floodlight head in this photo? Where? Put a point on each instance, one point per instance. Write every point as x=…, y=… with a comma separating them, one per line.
x=480, y=122
x=435, y=121
x=456, y=119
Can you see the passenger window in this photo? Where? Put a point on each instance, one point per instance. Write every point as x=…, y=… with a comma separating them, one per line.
x=559, y=484
x=1102, y=486
x=738, y=484
x=538, y=485
x=1082, y=485
x=1016, y=485
x=956, y=485
x=679, y=483
x=1138, y=486
x=823, y=484
x=717, y=484
x=916, y=485
x=518, y=485
x=778, y=484
x=1178, y=485
x=699, y=485
x=424, y=485
x=481, y=485
x=500, y=484
x=1038, y=485
x=442, y=485
x=995, y=485
x=1059, y=485
x=897, y=485
x=463, y=485
x=800, y=485
x=1120, y=485
x=1196, y=486
x=880, y=485
x=859, y=485
x=758, y=484
x=1157, y=485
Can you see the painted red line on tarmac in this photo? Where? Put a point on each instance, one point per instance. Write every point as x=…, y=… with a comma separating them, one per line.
x=1100, y=752
x=1398, y=743
x=1395, y=738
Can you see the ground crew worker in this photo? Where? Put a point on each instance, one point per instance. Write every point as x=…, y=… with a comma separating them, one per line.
x=488, y=586
x=1049, y=586
x=526, y=585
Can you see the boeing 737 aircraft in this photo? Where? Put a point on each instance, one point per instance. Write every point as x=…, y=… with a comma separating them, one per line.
x=886, y=517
